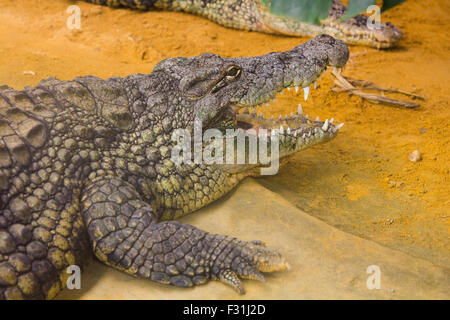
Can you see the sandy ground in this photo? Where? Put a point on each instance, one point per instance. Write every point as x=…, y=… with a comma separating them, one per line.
x=361, y=183
x=326, y=263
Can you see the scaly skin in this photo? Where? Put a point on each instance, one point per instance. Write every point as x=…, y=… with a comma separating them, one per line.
x=85, y=166
x=252, y=15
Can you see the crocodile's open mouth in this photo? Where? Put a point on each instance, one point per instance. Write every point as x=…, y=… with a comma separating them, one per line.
x=296, y=124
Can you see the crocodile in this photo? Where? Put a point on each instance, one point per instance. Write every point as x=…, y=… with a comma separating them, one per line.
x=87, y=168
x=252, y=15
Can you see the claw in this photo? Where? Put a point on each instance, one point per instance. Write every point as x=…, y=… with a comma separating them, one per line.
x=252, y=259
x=253, y=274
x=258, y=243
x=229, y=277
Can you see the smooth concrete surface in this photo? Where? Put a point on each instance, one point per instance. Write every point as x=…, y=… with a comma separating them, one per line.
x=326, y=263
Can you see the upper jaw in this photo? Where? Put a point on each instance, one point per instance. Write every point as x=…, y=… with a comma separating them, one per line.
x=264, y=100
x=299, y=67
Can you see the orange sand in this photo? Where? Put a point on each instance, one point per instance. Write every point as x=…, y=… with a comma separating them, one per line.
x=362, y=182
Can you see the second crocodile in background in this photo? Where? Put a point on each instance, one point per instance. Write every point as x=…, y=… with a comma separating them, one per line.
x=86, y=166
x=254, y=16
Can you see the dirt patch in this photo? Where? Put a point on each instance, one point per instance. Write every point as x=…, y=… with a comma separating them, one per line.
x=362, y=182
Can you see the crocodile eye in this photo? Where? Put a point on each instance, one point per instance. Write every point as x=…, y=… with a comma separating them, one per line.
x=233, y=72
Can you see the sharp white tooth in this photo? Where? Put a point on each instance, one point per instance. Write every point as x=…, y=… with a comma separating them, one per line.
x=331, y=120
x=296, y=88
x=300, y=110
x=271, y=118
x=273, y=99
x=316, y=130
x=304, y=136
x=306, y=117
x=289, y=88
x=339, y=70
x=292, y=115
x=306, y=92
x=315, y=84
x=317, y=119
x=281, y=130
x=320, y=77
x=267, y=104
x=273, y=132
x=288, y=130
x=295, y=133
x=281, y=92
x=339, y=126
x=279, y=117
x=325, y=125
x=285, y=117
x=309, y=134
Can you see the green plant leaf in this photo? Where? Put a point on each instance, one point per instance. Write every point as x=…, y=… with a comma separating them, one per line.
x=387, y=4
x=355, y=7
x=266, y=3
x=310, y=11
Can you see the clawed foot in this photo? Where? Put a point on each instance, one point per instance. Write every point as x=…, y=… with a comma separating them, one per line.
x=249, y=261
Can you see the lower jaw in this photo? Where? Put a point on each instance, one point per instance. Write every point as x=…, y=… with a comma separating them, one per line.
x=287, y=147
x=293, y=126
x=291, y=141
x=370, y=43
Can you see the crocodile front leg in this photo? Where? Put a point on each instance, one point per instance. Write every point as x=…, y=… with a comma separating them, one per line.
x=126, y=234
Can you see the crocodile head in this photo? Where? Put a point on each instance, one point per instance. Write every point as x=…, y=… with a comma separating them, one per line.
x=215, y=90
x=356, y=30
x=352, y=31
